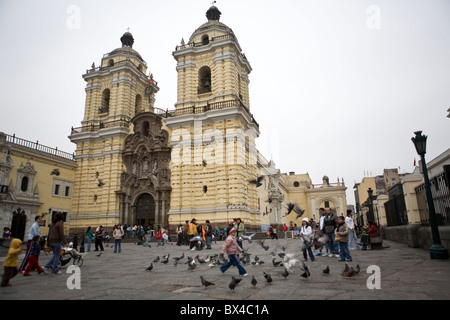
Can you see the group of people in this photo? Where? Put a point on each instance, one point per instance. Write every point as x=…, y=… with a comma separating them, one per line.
x=336, y=234
x=35, y=244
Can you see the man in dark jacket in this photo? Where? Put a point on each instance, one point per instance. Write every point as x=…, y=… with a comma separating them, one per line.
x=208, y=234
x=330, y=224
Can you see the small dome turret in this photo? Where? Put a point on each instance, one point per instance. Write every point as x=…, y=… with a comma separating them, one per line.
x=213, y=14
x=127, y=40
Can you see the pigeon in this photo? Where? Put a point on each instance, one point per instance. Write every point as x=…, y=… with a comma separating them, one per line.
x=285, y=273
x=249, y=238
x=98, y=255
x=100, y=183
x=276, y=263
x=350, y=272
x=156, y=260
x=206, y=283
x=166, y=256
x=257, y=181
x=306, y=269
x=150, y=267
x=298, y=211
x=254, y=282
x=268, y=277
x=357, y=269
x=289, y=206
x=165, y=261
x=237, y=280
x=346, y=269
x=265, y=247
x=232, y=284
x=201, y=259
x=326, y=270
x=55, y=172
x=191, y=266
x=306, y=272
x=304, y=275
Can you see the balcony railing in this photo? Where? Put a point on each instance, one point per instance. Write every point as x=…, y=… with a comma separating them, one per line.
x=209, y=106
x=92, y=127
x=40, y=147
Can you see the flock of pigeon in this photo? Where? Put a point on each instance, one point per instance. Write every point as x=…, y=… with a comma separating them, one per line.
x=282, y=259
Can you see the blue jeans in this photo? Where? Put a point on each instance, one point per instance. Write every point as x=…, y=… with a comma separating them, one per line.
x=352, y=239
x=89, y=240
x=311, y=255
x=233, y=260
x=208, y=242
x=117, y=243
x=332, y=244
x=54, y=261
x=344, y=252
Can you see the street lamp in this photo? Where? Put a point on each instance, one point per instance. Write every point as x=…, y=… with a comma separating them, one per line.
x=370, y=192
x=437, y=251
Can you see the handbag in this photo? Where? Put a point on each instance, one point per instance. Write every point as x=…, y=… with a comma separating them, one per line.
x=376, y=240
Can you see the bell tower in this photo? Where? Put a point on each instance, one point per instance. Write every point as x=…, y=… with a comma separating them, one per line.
x=116, y=91
x=212, y=130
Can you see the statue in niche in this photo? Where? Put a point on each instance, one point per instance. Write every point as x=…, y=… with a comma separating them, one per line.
x=155, y=167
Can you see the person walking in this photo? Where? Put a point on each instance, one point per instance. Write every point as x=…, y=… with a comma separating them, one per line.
x=179, y=231
x=55, y=238
x=118, y=235
x=285, y=230
x=320, y=232
x=192, y=233
x=342, y=235
x=33, y=260
x=240, y=229
x=352, y=239
x=330, y=224
x=306, y=236
x=230, y=247
x=11, y=262
x=98, y=238
x=33, y=231
x=90, y=237
x=208, y=234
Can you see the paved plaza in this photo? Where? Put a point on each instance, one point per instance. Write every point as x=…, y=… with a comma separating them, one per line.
x=405, y=273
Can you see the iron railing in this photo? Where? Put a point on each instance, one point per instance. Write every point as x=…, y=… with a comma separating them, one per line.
x=441, y=197
x=40, y=147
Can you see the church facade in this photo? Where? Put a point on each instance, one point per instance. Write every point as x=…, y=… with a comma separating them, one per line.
x=138, y=164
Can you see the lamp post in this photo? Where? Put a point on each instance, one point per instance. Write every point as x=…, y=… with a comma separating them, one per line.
x=370, y=192
x=437, y=251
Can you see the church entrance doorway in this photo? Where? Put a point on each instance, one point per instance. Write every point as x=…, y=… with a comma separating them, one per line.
x=145, y=210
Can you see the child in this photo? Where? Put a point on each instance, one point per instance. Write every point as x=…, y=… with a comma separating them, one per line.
x=307, y=240
x=342, y=237
x=230, y=247
x=159, y=237
x=33, y=259
x=11, y=262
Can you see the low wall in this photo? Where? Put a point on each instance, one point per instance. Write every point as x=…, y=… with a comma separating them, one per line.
x=416, y=236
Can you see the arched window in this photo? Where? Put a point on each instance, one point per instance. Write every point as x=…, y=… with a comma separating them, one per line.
x=105, y=101
x=205, y=39
x=145, y=128
x=110, y=62
x=138, y=104
x=24, y=184
x=204, y=75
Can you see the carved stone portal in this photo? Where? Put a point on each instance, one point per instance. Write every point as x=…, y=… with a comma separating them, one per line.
x=145, y=182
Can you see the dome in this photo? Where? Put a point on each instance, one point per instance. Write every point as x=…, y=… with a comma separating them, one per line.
x=127, y=40
x=213, y=14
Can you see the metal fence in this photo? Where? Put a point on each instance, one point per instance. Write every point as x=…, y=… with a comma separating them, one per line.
x=441, y=198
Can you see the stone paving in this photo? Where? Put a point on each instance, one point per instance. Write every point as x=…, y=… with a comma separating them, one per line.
x=405, y=274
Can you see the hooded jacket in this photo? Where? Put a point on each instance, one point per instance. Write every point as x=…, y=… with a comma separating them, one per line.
x=13, y=253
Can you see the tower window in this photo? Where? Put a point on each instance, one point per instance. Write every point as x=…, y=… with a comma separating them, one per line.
x=205, y=39
x=146, y=128
x=138, y=104
x=24, y=185
x=111, y=63
x=204, y=80
x=105, y=101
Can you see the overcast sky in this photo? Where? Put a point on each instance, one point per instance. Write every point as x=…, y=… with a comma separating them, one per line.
x=338, y=86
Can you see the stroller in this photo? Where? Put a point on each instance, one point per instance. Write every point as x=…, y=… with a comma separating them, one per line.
x=68, y=253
